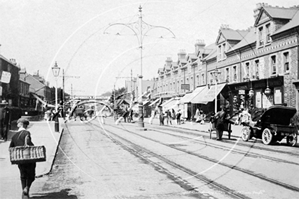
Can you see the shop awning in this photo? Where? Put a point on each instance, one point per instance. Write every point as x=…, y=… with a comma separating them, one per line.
x=208, y=95
x=190, y=96
x=42, y=101
x=185, y=98
x=172, y=103
x=154, y=102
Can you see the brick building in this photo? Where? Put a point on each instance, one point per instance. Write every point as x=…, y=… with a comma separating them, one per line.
x=258, y=66
x=9, y=82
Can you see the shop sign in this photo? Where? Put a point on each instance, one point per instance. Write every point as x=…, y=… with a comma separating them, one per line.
x=0, y=90
x=244, y=87
x=185, y=86
x=5, y=77
x=242, y=92
x=277, y=96
x=258, y=99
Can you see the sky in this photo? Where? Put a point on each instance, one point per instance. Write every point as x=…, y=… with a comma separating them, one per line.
x=96, y=54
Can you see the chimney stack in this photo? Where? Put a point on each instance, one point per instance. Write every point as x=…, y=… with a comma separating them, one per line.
x=199, y=46
x=169, y=61
x=181, y=54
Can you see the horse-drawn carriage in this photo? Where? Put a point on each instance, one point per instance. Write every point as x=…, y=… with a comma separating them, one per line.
x=272, y=126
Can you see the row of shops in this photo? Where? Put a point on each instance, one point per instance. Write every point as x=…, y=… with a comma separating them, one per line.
x=260, y=94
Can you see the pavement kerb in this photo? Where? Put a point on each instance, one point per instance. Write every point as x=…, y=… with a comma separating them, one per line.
x=62, y=126
x=203, y=128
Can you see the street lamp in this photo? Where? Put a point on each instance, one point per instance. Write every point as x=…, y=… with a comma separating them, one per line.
x=140, y=30
x=55, y=70
x=216, y=72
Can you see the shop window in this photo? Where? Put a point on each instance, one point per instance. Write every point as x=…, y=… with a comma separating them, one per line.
x=286, y=62
x=273, y=65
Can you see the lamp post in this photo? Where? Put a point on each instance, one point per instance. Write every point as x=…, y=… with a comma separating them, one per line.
x=216, y=72
x=140, y=29
x=55, y=70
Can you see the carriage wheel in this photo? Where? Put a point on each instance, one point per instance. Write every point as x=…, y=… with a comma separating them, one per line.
x=292, y=139
x=246, y=133
x=267, y=136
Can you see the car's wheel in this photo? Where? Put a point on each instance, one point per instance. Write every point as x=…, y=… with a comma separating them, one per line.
x=292, y=139
x=267, y=136
x=246, y=133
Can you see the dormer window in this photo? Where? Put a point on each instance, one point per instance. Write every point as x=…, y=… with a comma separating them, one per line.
x=221, y=52
x=260, y=36
x=268, y=34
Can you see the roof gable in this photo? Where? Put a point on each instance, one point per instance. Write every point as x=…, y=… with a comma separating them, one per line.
x=268, y=13
x=292, y=24
x=229, y=34
x=249, y=39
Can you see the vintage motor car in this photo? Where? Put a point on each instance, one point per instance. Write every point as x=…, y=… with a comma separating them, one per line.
x=272, y=126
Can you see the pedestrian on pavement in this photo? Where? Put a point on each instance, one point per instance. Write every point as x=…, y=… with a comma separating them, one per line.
x=178, y=116
x=153, y=113
x=4, y=119
x=27, y=170
x=161, y=116
x=197, y=116
x=168, y=117
x=219, y=122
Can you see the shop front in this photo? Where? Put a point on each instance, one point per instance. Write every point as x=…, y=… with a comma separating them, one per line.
x=259, y=94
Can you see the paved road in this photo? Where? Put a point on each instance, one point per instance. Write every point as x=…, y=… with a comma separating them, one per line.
x=97, y=161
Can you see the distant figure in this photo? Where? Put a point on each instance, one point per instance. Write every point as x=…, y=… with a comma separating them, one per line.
x=161, y=116
x=168, y=117
x=197, y=116
x=219, y=122
x=4, y=120
x=245, y=117
x=178, y=116
x=153, y=113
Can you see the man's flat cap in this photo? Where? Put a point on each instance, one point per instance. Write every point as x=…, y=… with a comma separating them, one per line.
x=24, y=121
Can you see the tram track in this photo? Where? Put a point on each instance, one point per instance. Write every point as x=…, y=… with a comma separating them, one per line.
x=144, y=154
x=192, y=132
x=234, y=167
x=249, y=154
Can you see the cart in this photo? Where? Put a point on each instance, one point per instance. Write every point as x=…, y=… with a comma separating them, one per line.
x=212, y=128
x=272, y=126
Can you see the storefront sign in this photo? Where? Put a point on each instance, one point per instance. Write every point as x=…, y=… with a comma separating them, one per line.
x=185, y=86
x=242, y=92
x=5, y=77
x=277, y=96
x=0, y=90
x=258, y=99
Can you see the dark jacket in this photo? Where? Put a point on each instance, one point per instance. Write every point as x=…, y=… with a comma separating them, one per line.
x=19, y=139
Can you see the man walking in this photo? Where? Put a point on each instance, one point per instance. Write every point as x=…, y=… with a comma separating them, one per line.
x=27, y=170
